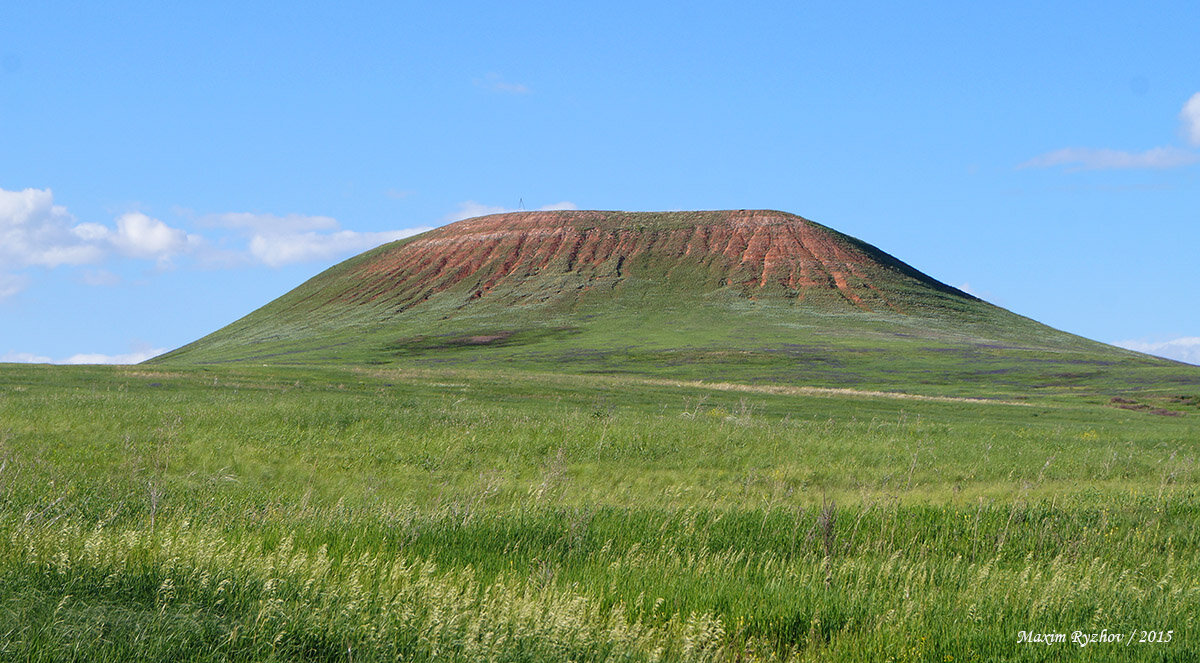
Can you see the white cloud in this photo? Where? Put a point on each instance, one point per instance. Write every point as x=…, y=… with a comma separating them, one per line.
x=91, y=232
x=1086, y=158
x=1190, y=116
x=277, y=249
x=280, y=240
x=24, y=358
x=1186, y=349
x=471, y=209
x=11, y=284
x=36, y=232
x=140, y=236
x=135, y=357
x=1156, y=158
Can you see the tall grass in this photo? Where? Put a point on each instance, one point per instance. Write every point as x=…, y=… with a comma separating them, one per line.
x=869, y=583
x=349, y=516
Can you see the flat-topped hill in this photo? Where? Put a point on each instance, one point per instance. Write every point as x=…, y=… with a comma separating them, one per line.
x=747, y=295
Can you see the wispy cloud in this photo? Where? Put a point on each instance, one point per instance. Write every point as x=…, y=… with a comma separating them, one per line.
x=281, y=240
x=1086, y=158
x=134, y=357
x=99, y=278
x=11, y=284
x=24, y=358
x=278, y=250
x=1190, y=118
x=493, y=82
x=1185, y=349
x=471, y=209
x=1156, y=158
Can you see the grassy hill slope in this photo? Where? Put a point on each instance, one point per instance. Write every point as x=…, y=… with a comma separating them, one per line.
x=750, y=296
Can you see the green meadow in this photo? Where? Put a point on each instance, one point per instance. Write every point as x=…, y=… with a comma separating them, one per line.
x=669, y=449
x=426, y=513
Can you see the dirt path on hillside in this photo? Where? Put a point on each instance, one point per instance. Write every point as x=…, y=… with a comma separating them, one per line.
x=775, y=389
x=789, y=390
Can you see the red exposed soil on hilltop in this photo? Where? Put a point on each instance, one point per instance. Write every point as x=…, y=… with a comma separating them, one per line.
x=752, y=250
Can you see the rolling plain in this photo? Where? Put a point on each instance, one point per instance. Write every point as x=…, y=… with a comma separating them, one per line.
x=730, y=436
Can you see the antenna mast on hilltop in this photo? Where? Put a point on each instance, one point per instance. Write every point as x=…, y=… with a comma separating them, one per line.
x=521, y=204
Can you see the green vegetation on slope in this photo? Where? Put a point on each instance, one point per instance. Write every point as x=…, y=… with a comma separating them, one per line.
x=247, y=513
x=644, y=300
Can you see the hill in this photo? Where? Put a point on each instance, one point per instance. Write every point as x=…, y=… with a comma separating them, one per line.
x=746, y=295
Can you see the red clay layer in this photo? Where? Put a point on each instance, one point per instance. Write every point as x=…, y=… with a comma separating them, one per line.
x=754, y=249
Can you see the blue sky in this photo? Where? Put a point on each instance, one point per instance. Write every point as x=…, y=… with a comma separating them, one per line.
x=166, y=169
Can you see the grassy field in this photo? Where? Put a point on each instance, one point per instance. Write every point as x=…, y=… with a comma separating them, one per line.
x=332, y=514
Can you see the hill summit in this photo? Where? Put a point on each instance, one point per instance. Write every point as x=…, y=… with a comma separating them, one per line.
x=744, y=295
x=546, y=255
